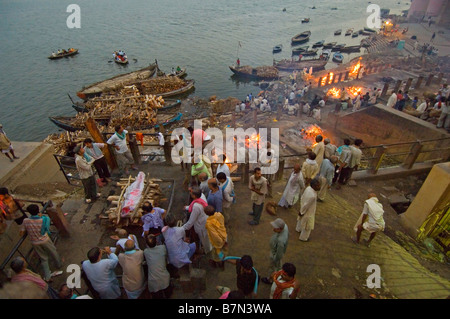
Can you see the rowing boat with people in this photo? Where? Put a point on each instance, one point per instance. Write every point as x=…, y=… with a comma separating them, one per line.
x=55, y=56
x=117, y=81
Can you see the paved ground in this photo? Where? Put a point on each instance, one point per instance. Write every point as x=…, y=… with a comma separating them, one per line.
x=329, y=266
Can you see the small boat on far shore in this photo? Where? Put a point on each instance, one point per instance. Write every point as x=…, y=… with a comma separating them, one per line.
x=337, y=47
x=338, y=32
x=370, y=30
x=355, y=34
x=305, y=20
x=299, y=50
x=348, y=32
x=350, y=49
x=329, y=45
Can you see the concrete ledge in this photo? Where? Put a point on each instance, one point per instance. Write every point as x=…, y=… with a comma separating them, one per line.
x=393, y=172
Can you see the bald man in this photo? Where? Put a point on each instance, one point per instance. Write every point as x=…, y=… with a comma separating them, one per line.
x=133, y=278
x=294, y=187
x=370, y=220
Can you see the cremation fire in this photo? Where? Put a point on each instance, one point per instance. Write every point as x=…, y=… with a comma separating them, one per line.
x=334, y=92
x=311, y=132
x=353, y=90
x=329, y=77
x=252, y=141
x=354, y=71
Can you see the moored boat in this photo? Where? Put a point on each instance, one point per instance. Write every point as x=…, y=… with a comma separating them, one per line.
x=63, y=54
x=337, y=47
x=349, y=32
x=301, y=38
x=370, y=30
x=67, y=122
x=299, y=50
x=329, y=45
x=338, y=57
x=326, y=55
x=338, y=32
x=258, y=73
x=189, y=85
x=289, y=65
x=179, y=73
x=318, y=44
x=355, y=34
x=98, y=88
x=305, y=20
x=309, y=52
x=350, y=49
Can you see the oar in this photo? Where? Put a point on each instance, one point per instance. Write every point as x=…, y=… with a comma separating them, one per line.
x=70, y=98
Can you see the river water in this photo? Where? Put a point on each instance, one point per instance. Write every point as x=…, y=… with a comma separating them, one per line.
x=201, y=35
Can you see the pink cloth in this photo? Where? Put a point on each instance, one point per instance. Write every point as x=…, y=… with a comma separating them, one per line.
x=225, y=295
x=31, y=277
x=198, y=200
x=198, y=134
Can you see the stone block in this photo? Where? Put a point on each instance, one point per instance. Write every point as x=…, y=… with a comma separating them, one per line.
x=390, y=189
x=398, y=199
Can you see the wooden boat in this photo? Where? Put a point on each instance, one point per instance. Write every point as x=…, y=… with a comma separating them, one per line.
x=169, y=104
x=182, y=73
x=334, y=8
x=370, y=30
x=120, y=58
x=258, y=73
x=326, y=55
x=305, y=20
x=348, y=32
x=350, y=49
x=66, y=122
x=355, y=34
x=188, y=87
x=310, y=52
x=301, y=38
x=360, y=31
x=329, y=45
x=289, y=65
x=337, y=47
x=277, y=48
x=318, y=44
x=63, y=55
x=98, y=88
x=299, y=50
x=365, y=43
x=338, y=57
x=338, y=32
x=366, y=33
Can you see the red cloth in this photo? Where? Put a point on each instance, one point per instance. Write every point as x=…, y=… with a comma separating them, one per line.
x=198, y=200
x=281, y=286
x=140, y=138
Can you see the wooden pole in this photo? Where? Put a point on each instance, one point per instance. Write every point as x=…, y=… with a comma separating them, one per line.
x=413, y=154
x=255, y=117
x=408, y=85
x=385, y=89
x=98, y=138
x=429, y=80
x=167, y=150
x=233, y=119
x=419, y=82
x=397, y=85
x=134, y=149
x=375, y=163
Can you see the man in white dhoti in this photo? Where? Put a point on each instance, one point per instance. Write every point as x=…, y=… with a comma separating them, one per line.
x=371, y=219
x=392, y=100
x=306, y=216
x=294, y=187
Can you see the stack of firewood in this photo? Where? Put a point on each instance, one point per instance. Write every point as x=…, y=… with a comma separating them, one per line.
x=161, y=85
x=63, y=143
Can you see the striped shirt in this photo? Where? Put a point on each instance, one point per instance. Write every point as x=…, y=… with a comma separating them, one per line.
x=33, y=228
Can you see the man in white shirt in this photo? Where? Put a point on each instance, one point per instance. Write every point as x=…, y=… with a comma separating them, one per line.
x=123, y=155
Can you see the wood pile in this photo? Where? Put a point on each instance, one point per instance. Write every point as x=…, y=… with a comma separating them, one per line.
x=64, y=143
x=131, y=110
x=160, y=85
x=152, y=193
